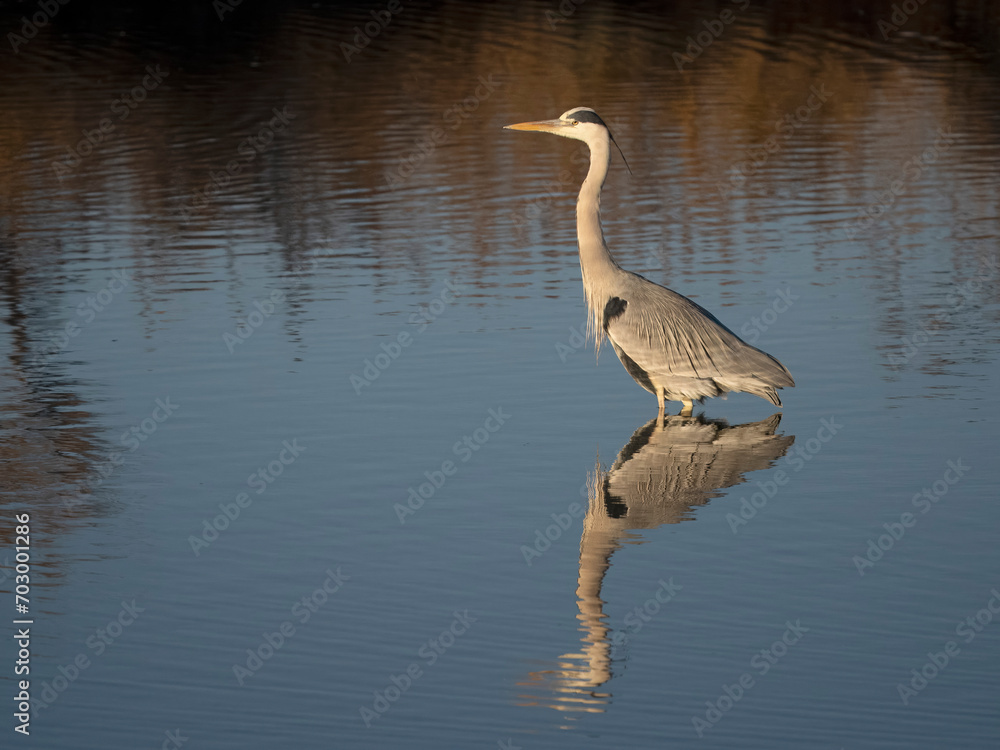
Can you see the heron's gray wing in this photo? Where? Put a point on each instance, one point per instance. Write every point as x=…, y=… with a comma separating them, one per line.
x=665, y=332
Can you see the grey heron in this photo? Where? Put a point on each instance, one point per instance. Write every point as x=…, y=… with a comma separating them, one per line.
x=670, y=345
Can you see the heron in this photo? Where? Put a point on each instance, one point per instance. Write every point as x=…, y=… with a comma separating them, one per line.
x=669, y=344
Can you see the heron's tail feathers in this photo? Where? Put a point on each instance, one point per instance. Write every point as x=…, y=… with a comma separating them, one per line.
x=764, y=391
x=771, y=395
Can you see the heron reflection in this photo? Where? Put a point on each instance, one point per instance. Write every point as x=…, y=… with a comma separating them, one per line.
x=671, y=465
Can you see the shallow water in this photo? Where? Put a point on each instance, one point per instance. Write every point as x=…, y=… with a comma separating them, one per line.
x=321, y=394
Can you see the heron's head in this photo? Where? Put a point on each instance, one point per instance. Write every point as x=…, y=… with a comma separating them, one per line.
x=579, y=123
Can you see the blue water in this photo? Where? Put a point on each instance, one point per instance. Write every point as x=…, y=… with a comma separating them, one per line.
x=346, y=421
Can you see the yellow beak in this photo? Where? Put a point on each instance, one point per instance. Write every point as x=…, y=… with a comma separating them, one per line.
x=545, y=126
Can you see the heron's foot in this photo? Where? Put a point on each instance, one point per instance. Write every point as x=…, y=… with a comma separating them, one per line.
x=687, y=407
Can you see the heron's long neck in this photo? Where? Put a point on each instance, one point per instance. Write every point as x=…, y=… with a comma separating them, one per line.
x=596, y=263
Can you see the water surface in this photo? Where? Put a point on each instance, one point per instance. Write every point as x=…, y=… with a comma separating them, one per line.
x=292, y=364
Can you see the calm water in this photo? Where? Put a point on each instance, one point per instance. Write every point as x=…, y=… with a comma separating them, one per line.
x=294, y=394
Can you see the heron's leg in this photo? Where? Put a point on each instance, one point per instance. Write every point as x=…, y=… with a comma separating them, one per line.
x=686, y=408
x=659, y=400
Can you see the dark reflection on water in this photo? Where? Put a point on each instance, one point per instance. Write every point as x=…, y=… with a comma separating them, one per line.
x=669, y=467
x=171, y=178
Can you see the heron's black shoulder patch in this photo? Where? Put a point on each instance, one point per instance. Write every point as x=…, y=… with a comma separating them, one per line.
x=613, y=309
